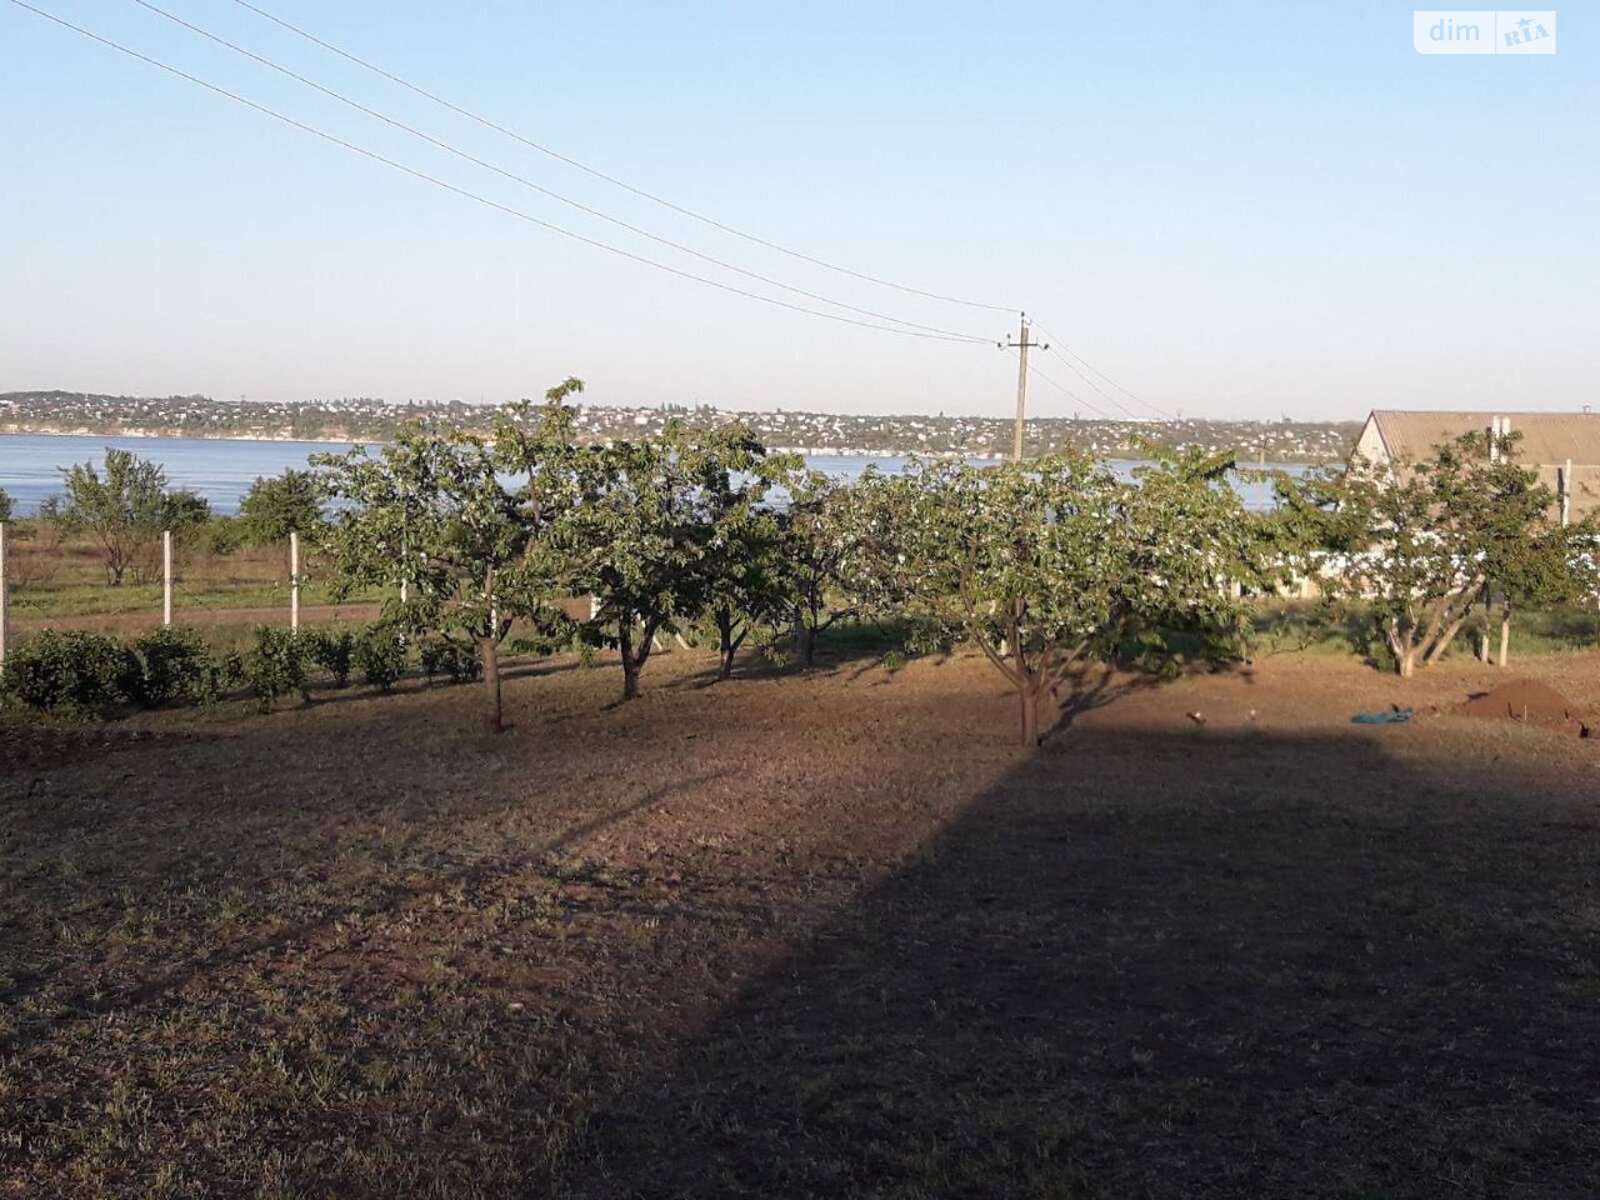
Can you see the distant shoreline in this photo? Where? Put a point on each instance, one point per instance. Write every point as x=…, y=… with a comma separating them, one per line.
x=807, y=451
x=167, y=435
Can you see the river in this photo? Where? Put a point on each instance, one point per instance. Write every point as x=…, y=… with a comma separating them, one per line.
x=223, y=470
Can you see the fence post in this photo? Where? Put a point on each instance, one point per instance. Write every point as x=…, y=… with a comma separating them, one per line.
x=5, y=598
x=166, y=577
x=294, y=580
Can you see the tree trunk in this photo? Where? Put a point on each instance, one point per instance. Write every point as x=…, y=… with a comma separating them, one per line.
x=630, y=667
x=1483, y=639
x=1405, y=662
x=489, y=658
x=725, y=645
x=1505, y=632
x=634, y=654
x=1028, y=714
x=807, y=637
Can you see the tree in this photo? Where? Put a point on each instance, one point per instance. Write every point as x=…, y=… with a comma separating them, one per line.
x=126, y=510
x=817, y=542
x=1419, y=542
x=6, y=506
x=279, y=505
x=747, y=580
x=1049, y=564
x=433, y=510
x=638, y=541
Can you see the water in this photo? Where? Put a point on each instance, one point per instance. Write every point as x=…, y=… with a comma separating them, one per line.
x=222, y=471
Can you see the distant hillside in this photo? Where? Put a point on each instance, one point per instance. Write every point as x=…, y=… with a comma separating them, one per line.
x=365, y=419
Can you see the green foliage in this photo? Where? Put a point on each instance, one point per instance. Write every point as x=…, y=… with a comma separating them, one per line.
x=1419, y=544
x=85, y=673
x=72, y=672
x=276, y=664
x=460, y=519
x=334, y=650
x=172, y=667
x=643, y=539
x=282, y=504
x=6, y=505
x=747, y=582
x=1049, y=564
x=126, y=509
x=441, y=657
x=380, y=652
x=818, y=532
x=220, y=535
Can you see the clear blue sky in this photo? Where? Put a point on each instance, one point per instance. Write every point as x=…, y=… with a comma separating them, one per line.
x=1232, y=209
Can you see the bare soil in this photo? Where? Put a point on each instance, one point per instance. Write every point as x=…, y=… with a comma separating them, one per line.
x=1528, y=701
x=791, y=935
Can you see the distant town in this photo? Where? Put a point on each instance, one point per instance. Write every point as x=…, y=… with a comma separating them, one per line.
x=812, y=433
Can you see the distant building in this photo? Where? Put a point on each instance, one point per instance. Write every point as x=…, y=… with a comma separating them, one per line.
x=1563, y=447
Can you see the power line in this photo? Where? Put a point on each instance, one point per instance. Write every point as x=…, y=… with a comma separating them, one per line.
x=1066, y=391
x=1107, y=396
x=525, y=182
x=1067, y=355
x=487, y=123
x=481, y=199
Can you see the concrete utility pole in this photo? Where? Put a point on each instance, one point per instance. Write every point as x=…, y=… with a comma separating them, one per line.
x=1022, y=345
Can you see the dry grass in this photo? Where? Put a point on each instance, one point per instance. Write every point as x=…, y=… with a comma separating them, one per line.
x=61, y=581
x=794, y=935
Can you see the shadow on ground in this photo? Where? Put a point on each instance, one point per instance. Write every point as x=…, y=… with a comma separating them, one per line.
x=1170, y=965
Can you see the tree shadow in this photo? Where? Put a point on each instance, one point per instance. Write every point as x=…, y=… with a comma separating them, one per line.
x=1162, y=965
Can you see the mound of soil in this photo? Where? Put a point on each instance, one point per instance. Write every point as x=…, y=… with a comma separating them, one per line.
x=1527, y=701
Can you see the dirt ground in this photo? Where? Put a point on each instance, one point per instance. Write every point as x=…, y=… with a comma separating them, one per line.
x=825, y=935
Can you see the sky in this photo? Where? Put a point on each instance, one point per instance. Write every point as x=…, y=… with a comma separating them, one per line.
x=1230, y=210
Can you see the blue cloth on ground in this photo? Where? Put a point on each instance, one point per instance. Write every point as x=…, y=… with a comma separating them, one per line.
x=1394, y=716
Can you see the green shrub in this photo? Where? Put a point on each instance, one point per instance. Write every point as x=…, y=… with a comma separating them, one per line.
x=441, y=656
x=381, y=655
x=69, y=671
x=276, y=665
x=219, y=535
x=167, y=666
x=334, y=650
x=218, y=677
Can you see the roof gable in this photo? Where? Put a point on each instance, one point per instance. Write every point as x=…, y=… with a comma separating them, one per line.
x=1548, y=439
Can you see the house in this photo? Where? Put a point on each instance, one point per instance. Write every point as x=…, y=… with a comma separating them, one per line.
x=1563, y=447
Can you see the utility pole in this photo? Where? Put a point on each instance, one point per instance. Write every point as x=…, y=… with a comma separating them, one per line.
x=1022, y=345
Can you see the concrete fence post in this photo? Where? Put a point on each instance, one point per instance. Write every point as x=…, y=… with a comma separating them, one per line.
x=166, y=577
x=294, y=580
